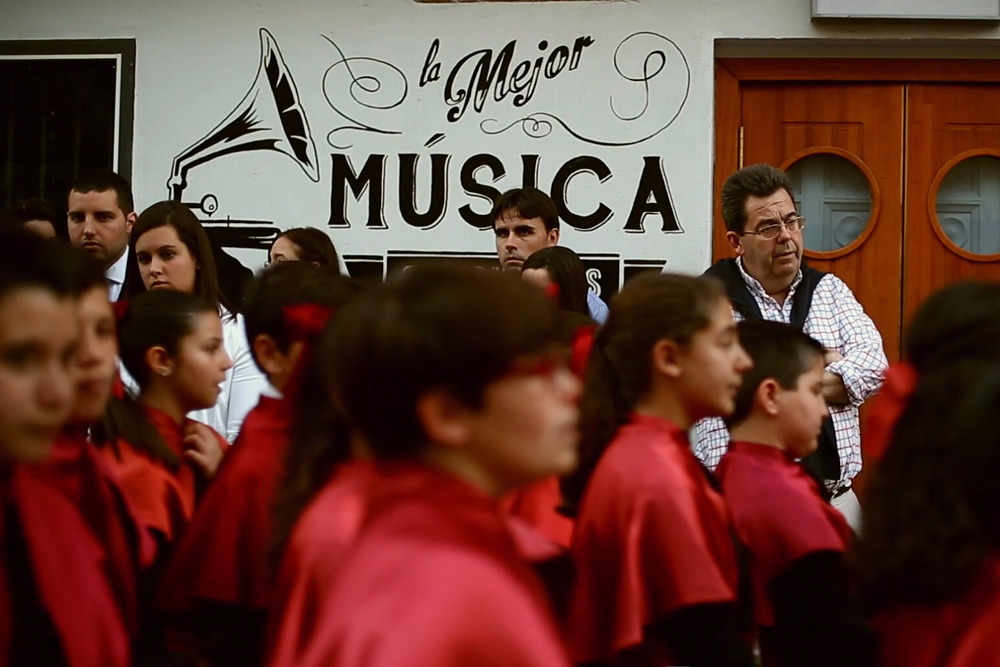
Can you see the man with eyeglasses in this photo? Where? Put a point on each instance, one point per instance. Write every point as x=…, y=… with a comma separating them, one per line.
x=769, y=280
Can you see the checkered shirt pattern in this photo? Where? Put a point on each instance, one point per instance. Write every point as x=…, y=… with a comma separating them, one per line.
x=838, y=321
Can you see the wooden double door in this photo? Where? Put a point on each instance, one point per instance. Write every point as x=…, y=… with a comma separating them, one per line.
x=899, y=180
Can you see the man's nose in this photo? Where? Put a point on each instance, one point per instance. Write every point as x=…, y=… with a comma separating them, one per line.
x=783, y=234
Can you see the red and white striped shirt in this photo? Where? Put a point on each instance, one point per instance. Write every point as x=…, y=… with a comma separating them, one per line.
x=838, y=321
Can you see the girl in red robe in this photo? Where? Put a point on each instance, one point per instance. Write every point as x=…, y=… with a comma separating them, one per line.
x=657, y=578
x=171, y=343
x=219, y=583
x=449, y=378
x=56, y=604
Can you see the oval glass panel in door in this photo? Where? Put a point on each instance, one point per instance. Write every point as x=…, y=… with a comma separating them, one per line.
x=968, y=205
x=834, y=197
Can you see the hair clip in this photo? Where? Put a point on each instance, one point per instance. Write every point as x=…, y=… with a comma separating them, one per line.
x=120, y=309
x=305, y=321
x=552, y=291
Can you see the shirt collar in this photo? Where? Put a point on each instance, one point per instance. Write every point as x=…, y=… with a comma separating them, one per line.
x=116, y=272
x=757, y=289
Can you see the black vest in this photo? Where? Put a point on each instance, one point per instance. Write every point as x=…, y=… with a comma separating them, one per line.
x=825, y=461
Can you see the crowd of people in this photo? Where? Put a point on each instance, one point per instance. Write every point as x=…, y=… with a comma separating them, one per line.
x=463, y=467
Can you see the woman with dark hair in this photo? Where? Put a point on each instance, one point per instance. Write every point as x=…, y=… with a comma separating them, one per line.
x=304, y=244
x=561, y=267
x=34, y=215
x=173, y=252
x=657, y=575
x=929, y=561
x=451, y=381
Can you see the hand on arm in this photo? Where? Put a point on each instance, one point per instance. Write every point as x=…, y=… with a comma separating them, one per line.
x=202, y=448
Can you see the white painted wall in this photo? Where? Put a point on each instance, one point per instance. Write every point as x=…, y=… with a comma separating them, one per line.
x=196, y=61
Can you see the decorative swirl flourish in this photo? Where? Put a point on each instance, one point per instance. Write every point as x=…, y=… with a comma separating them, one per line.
x=362, y=88
x=540, y=124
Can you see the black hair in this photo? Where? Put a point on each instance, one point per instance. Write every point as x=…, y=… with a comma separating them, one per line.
x=288, y=284
x=25, y=210
x=932, y=507
x=650, y=308
x=757, y=180
x=779, y=352
x=313, y=245
x=193, y=236
x=961, y=321
x=528, y=203
x=431, y=328
x=102, y=180
x=27, y=260
x=156, y=318
x=567, y=272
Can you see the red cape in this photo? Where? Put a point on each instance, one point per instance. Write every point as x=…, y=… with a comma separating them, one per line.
x=433, y=579
x=78, y=472
x=536, y=506
x=223, y=554
x=163, y=497
x=959, y=633
x=652, y=537
x=778, y=513
x=68, y=569
x=313, y=559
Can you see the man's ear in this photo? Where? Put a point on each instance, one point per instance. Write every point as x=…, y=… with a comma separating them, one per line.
x=129, y=221
x=159, y=362
x=444, y=419
x=766, y=397
x=269, y=357
x=665, y=357
x=552, y=236
x=735, y=242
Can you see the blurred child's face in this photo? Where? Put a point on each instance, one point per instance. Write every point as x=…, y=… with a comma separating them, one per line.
x=95, y=356
x=802, y=410
x=712, y=367
x=38, y=333
x=526, y=428
x=201, y=364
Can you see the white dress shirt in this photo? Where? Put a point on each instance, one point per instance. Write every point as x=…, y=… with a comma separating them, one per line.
x=838, y=322
x=115, y=275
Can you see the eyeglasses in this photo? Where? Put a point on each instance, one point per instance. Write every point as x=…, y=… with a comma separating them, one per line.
x=769, y=232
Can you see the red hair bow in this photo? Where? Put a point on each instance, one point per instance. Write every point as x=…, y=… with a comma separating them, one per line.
x=305, y=321
x=900, y=382
x=120, y=309
x=552, y=291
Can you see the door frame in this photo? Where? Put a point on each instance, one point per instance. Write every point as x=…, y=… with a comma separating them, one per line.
x=731, y=73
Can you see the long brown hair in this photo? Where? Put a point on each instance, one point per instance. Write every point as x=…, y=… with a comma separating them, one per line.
x=193, y=236
x=649, y=309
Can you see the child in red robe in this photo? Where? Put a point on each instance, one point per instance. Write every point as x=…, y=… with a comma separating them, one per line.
x=56, y=604
x=171, y=343
x=803, y=607
x=657, y=576
x=450, y=378
x=219, y=582
x=75, y=467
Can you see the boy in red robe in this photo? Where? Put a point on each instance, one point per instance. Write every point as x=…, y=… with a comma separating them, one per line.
x=56, y=605
x=219, y=583
x=803, y=609
x=449, y=378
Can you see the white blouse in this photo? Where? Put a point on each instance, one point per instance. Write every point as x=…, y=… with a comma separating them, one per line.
x=243, y=384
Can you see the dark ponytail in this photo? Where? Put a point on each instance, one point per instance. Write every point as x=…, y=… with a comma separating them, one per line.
x=649, y=309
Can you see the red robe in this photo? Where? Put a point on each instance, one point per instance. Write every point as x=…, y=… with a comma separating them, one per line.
x=78, y=472
x=652, y=537
x=778, y=513
x=66, y=576
x=536, y=505
x=313, y=559
x=433, y=579
x=223, y=554
x=960, y=633
x=164, y=497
